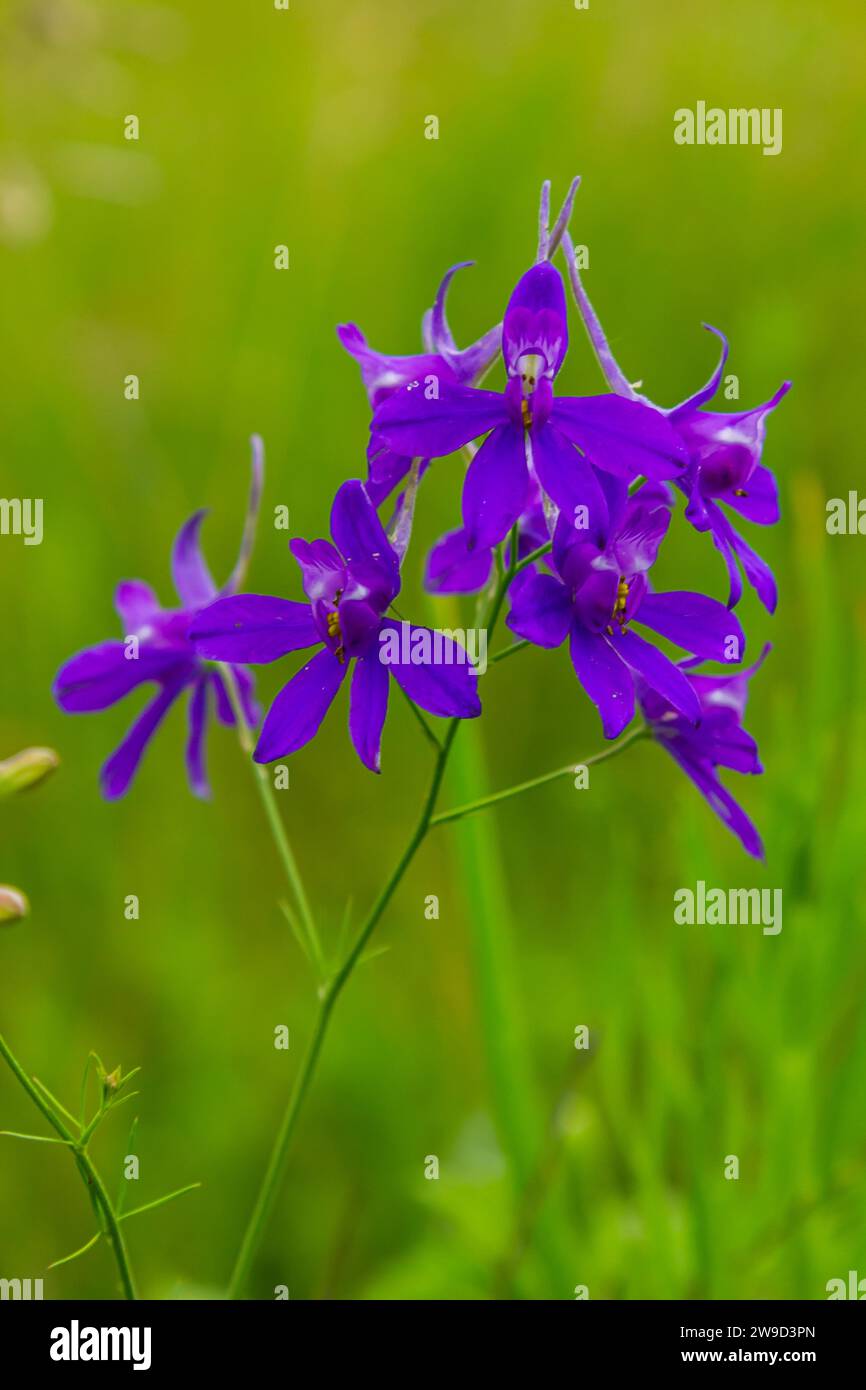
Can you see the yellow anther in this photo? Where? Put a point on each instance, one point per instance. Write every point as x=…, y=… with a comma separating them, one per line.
x=526, y=413
x=618, y=614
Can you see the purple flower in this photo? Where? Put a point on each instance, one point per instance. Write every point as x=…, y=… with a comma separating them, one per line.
x=719, y=740
x=600, y=587
x=724, y=457
x=532, y=434
x=382, y=375
x=725, y=466
x=350, y=584
x=156, y=647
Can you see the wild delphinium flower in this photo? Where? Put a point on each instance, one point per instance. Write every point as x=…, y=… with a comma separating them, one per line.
x=350, y=584
x=156, y=648
x=532, y=434
x=599, y=588
x=718, y=740
x=724, y=456
x=383, y=374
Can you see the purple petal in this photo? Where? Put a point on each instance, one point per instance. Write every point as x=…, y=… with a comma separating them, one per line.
x=470, y=363
x=359, y=534
x=294, y=717
x=597, y=594
x=729, y=692
x=721, y=801
x=195, y=762
x=567, y=477
x=383, y=374
x=359, y=625
x=420, y=424
x=723, y=741
x=759, y=500
x=496, y=486
x=696, y=623
x=447, y=687
x=659, y=672
x=136, y=604
x=541, y=611
x=452, y=568
x=727, y=447
x=253, y=628
x=644, y=525
x=385, y=469
x=121, y=767
x=756, y=570
x=536, y=321
x=192, y=578
x=368, y=705
x=322, y=569
x=624, y=437
x=101, y=675
x=706, y=392
x=606, y=680
x=720, y=531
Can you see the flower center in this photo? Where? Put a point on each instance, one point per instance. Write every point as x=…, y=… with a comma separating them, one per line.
x=531, y=367
x=332, y=620
x=526, y=414
x=618, y=614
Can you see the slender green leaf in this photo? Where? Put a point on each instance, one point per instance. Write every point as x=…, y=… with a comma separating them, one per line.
x=37, y=1138
x=160, y=1201
x=67, y=1259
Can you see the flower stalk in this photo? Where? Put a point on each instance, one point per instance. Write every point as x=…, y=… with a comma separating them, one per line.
x=310, y=935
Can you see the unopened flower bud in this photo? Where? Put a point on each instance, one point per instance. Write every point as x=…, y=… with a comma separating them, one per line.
x=111, y=1081
x=13, y=904
x=26, y=768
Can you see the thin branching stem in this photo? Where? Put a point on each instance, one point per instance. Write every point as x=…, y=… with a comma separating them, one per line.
x=332, y=989
x=458, y=812
x=96, y=1189
x=275, y=823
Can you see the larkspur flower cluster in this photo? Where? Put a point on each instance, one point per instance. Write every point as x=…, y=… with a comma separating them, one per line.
x=574, y=493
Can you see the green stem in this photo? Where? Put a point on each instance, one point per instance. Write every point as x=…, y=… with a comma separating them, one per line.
x=95, y=1186
x=331, y=991
x=471, y=807
x=274, y=819
x=510, y=650
x=533, y=557
x=425, y=727
x=273, y=1176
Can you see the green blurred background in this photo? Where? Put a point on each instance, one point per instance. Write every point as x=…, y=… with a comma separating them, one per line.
x=558, y=1167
